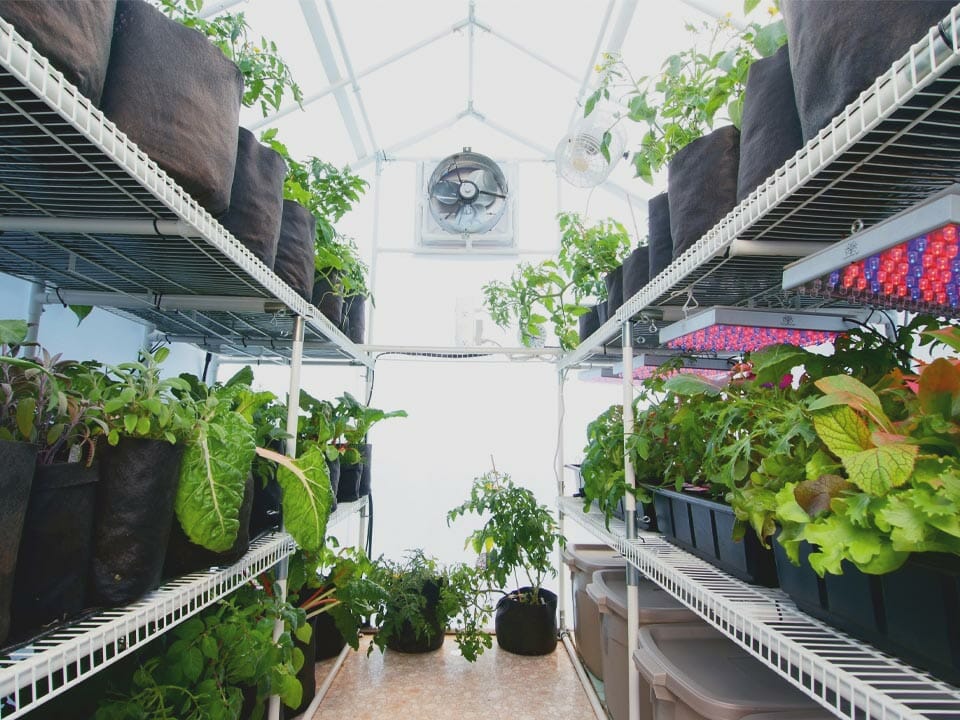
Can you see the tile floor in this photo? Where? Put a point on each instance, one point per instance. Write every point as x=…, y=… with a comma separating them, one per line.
x=443, y=684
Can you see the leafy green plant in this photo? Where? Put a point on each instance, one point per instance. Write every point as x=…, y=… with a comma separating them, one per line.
x=307, y=496
x=402, y=603
x=519, y=533
x=208, y=659
x=320, y=426
x=137, y=402
x=682, y=102
x=356, y=420
x=266, y=76
x=552, y=290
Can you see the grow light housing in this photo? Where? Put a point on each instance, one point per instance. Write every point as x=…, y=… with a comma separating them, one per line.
x=909, y=262
x=646, y=364
x=728, y=329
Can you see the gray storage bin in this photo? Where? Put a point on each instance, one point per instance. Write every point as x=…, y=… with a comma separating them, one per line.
x=584, y=559
x=655, y=605
x=692, y=672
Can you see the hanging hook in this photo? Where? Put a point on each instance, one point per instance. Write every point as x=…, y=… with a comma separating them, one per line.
x=690, y=304
x=856, y=226
x=60, y=297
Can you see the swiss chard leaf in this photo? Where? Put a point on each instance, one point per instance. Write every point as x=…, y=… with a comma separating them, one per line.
x=307, y=496
x=212, y=477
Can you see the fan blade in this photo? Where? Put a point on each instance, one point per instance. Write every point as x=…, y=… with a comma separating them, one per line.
x=488, y=189
x=466, y=219
x=445, y=192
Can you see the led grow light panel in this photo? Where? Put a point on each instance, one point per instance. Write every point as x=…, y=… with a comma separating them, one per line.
x=723, y=329
x=911, y=262
x=646, y=364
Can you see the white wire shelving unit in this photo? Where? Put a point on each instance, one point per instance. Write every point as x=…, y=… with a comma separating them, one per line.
x=892, y=147
x=88, y=216
x=51, y=664
x=848, y=677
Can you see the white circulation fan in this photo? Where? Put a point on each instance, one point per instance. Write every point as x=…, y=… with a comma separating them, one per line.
x=579, y=159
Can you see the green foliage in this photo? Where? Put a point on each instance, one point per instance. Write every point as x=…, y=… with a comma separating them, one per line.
x=602, y=467
x=216, y=462
x=13, y=332
x=354, y=420
x=692, y=89
x=266, y=77
x=402, y=602
x=307, y=496
x=519, y=533
x=552, y=290
x=209, y=658
x=42, y=403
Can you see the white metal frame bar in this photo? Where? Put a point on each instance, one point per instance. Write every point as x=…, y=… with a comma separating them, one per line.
x=69, y=656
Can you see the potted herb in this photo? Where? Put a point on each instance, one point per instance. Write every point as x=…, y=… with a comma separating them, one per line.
x=320, y=427
x=420, y=598
x=145, y=426
x=357, y=454
x=518, y=534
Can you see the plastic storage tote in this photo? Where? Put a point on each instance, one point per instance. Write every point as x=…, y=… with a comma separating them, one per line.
x=584, y=560
x=655, y=605
x=692, y=672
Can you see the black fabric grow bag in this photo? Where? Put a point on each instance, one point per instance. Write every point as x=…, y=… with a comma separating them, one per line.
x=133, y=517
x=327, y=639
x=54, y=560
x=705, y=528
x=526, y=628
x=256, y=198
x=659, y=240
x=267, y=502
x=74, y=36
x=354, y=324
x=838, y=49
x=366, y=458
x=589, y=323
x=333, y=467
x=294, y=260
x=614, y=282
x=702, y=185
x=407, y=641
x=185, y=556
x=913, y=612
x=770, y=131
x=636, y=271
x=177, y=96
x=349, y=488
x=326, y=296
x=16, y=476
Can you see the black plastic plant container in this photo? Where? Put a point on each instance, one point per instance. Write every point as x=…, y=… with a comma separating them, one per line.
x=705, y=528
x=913, y=612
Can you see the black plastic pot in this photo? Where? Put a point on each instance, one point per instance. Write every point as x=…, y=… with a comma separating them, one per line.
x=327, y=297
x=74, y=36
x=184, y=556
x=838, y=49
x=645, y=514
x=705, y=528
x=328, y=640
x=366, y=458
x=16, y=476
x=913, y=612
x=614, y=282
x=354, y=324
x=636, y=271
x=658, y=234
x=256, y=198
x=333, y=467
x=133, y=517
x=407, y=641
x=525, y=628
x=349, y=487
x=57, y=542
x=294, y=261
x=702, y=185
x=177, y=96
x=770, y=131
x=589, y=323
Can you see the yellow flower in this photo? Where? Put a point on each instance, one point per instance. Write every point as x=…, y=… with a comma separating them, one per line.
x=597, y=68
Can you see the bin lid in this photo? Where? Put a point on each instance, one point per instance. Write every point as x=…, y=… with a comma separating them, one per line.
x=654, y=604
x=589, y=558
x=710, y=674
x=793, y=715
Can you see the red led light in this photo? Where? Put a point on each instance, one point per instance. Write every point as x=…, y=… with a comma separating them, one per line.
x=725, y=338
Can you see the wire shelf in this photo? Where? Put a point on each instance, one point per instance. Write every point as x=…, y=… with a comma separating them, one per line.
x=848, y=677
x=51, y=664
x=72, y=173
x=892, y=147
